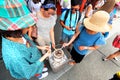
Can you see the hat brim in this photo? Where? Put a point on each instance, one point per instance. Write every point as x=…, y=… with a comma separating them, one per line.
x=96, y=28
x=17, y=23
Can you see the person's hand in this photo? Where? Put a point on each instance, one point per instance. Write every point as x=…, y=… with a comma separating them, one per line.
x=53, y=46
x=65, y=44
x=68, y=28
x=83, y=47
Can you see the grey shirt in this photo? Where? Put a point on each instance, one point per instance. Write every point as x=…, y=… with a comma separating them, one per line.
x=44, y=25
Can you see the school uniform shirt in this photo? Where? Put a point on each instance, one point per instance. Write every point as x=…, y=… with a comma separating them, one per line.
x=73, y=22
x=20, y=60
x=86, y=39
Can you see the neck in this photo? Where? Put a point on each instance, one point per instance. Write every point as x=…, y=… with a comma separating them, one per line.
x=91, y=32
x=42, y=14
x=19, y=40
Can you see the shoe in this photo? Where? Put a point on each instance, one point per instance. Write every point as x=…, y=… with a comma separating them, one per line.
x=45, y=69
x=116, y=58
x=42, y=75
x=104, y=59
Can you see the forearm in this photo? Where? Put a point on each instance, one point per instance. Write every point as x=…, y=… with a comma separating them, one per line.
x=44, y=56
x=52, y=35
x=77, y=27
x=40, y=47
x=91, y=47
x=73, y=38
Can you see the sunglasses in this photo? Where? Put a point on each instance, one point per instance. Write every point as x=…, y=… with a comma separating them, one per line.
x=75, y=9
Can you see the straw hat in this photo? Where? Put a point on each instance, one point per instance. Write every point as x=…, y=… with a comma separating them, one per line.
x=98, y=22
x=15, y=15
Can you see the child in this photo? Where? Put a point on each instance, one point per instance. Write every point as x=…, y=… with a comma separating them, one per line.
x=69, y=20
x=89, y=37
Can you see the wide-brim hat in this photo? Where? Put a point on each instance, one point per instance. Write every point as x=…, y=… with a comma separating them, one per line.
x=98, y=22
x=15, y=15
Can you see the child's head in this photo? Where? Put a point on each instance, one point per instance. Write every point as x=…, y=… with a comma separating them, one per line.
x=75, y=5
x=48, y=8
x=98, y=22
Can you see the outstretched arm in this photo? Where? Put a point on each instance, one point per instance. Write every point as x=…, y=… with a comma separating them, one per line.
x=72, y=39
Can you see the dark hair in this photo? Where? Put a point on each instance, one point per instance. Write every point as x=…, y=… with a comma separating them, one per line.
x=15, y=34
x=36, y=1
x=48, y=2
x=75, y=2
x=115, y=77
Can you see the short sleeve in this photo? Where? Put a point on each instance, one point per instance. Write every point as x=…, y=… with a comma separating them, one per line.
x=106, y=34
x=100, y=41
x=63, y=15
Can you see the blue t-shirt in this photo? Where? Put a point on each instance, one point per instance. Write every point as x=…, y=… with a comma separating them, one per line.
x=73, y=21
x=86, y=39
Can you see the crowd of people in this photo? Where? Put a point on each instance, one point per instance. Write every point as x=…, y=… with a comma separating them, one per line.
x=24, y=54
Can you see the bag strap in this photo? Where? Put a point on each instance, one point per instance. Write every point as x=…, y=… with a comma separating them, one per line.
x=66, y=15
x=79, y=17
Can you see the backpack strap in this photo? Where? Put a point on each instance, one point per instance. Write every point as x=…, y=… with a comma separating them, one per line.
x=79, y=17
x=66, y=15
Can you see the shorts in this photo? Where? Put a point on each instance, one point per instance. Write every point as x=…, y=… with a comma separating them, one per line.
x=76, y=56
x=65, y=37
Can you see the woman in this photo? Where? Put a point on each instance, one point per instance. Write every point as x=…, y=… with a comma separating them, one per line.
x=45, y=24
x=21, y=56
x=89, y=37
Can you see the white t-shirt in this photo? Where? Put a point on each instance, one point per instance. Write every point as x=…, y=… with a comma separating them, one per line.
x=44, y=25
x=42, y=1
x=65, y=4
x=99, y=4
x=34, y=7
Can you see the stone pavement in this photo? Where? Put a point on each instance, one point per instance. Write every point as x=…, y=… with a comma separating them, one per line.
x=91, y=68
